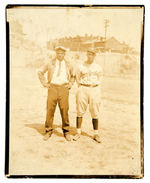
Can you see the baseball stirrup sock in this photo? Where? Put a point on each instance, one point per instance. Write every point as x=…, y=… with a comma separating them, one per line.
x=95, y=124
x=79, y=122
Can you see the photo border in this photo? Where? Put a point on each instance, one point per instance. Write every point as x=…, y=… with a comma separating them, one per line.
x=8, y=97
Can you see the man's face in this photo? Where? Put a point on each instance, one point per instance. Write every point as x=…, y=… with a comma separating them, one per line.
x=60, y=54
x=90, y=56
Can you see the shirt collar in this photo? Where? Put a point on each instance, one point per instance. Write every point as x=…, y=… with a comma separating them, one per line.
x=59, y=61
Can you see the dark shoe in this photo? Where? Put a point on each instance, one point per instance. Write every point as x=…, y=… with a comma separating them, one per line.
x=67, y=136
x=97, y=138
x=47, y=135
x=76, y=137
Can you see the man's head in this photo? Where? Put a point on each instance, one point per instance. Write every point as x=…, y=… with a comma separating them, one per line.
x=60, y=52
x=91, y=55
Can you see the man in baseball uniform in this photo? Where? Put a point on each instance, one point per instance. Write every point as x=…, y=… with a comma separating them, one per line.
x=59, y=80
x=88, y=77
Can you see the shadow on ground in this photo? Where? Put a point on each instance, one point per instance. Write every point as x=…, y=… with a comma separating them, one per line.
x=40, y=128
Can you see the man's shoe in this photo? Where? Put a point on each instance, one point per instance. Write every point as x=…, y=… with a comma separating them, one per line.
x=47, y=135
x=97, y=138
x=67, y=136
x=76, y=137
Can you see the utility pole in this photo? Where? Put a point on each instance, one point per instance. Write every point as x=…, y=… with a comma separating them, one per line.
x=106, y=24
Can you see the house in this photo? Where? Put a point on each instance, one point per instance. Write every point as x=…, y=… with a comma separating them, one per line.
x=82, y=43
x=99, y=46
x=113, y=45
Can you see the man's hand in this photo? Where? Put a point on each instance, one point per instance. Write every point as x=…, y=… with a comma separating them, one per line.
x=69, y=86
x=47, y=85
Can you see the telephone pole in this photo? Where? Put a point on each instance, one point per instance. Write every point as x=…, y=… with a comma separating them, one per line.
x=106, y=24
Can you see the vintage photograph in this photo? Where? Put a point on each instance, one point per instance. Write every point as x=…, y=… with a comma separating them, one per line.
x=75, y=91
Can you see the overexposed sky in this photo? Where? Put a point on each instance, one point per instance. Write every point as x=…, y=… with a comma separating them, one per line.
x=46, y=23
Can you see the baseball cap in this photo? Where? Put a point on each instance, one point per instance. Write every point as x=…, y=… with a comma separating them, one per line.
x=60, y=48
x=92, y=50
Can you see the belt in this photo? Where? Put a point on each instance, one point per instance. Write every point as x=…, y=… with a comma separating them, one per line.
x=87, y=85
x=57, y=85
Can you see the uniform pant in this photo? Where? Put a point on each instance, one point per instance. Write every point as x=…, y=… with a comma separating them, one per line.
x=88, y=95
x=60, y=95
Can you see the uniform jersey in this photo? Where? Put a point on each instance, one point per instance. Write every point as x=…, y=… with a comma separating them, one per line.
x=89, y=74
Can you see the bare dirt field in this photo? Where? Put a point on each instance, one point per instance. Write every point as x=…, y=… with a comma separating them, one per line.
x=119, y=152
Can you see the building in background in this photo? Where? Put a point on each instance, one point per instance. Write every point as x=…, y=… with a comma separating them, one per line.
x=82, y=43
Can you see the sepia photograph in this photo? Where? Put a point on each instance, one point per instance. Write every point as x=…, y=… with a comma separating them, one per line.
x=74, y=91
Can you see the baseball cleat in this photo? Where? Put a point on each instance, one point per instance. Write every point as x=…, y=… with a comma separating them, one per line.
x=76, y=137
x=97, y=138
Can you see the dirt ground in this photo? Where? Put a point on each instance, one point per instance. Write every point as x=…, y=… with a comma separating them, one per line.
x=119, y=152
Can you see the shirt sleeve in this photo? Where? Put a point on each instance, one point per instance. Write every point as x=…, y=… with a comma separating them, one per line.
x=78, y=74
x=41, y=73
x=72, y=75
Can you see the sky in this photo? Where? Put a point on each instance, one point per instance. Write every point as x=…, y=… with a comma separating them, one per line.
x=46, y=23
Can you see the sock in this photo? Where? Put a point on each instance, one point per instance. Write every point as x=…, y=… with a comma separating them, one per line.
x=79, y=130
x=95, y=124
x=95, y=132
x=78, y=122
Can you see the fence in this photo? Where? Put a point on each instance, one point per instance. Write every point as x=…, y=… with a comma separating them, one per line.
x=113, y=64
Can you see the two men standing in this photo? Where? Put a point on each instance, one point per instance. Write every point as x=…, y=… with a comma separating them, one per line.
x=61, y=77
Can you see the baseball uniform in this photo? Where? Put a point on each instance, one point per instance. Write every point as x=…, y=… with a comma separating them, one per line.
x=89, y=77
